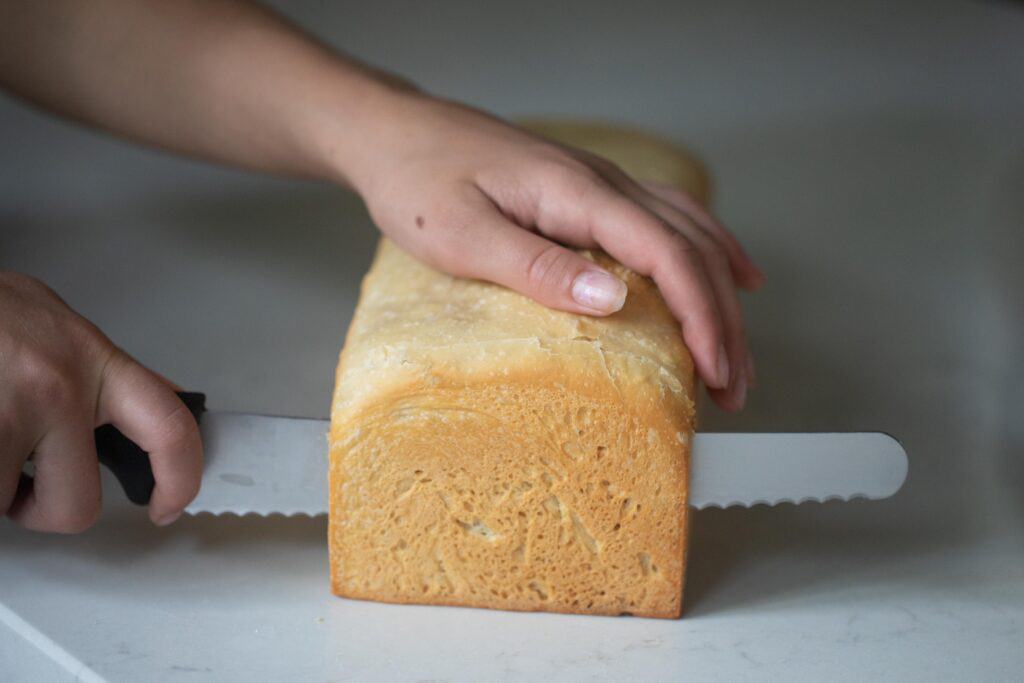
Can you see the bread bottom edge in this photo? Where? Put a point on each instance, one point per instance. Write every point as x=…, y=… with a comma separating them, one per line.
x=439, y=602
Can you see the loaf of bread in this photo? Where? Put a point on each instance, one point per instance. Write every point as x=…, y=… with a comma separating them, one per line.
x=487, y=451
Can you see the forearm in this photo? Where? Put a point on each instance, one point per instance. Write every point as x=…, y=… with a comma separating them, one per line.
x=224, y=80
x=460, y=189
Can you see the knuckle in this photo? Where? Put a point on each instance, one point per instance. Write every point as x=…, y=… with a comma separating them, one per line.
x=548, y=268
x=681, y=252
x=572, y=178
x=177, y=431
x=86, y=335
x=115, y=362
x=51, y=380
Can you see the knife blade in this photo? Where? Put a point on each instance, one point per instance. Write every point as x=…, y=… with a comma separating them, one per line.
x=258, y=464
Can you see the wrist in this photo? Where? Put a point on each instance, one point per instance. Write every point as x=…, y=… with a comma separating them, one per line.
x=350, y=133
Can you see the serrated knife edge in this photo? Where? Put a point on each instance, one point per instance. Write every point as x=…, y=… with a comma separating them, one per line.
x=267, y=465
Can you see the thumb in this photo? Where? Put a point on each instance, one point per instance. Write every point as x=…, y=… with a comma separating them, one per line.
x=146, y=410
x=500, y=251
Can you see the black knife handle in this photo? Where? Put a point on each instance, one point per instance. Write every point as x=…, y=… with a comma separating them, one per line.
x=129, y=463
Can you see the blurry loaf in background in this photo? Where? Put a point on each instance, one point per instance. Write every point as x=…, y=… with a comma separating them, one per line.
x=642, y=155
x=490, y=452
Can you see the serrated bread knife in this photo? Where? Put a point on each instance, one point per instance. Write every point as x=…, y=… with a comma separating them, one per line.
x=259, y=464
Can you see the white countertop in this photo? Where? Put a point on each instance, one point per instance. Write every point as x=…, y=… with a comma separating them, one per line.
x=873, y=161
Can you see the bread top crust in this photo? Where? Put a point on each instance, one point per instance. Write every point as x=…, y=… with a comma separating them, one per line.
x=412, y=321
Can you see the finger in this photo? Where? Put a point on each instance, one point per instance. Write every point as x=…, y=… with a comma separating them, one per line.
x=146, y=410
x=487, y=246
x=64, y=495
x=14, y=448
x=641, y=240
x=744, y=270
x=734, y=396
x=717, y=265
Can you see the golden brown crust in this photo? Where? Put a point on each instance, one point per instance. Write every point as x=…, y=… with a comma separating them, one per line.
x=486, y=451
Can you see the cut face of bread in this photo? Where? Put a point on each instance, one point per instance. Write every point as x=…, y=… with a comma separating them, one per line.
x=487, y=451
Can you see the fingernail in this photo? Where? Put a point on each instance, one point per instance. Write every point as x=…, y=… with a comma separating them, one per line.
x=168, y=519
x=599, y=291
x=723, y=367
x=751, y=375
